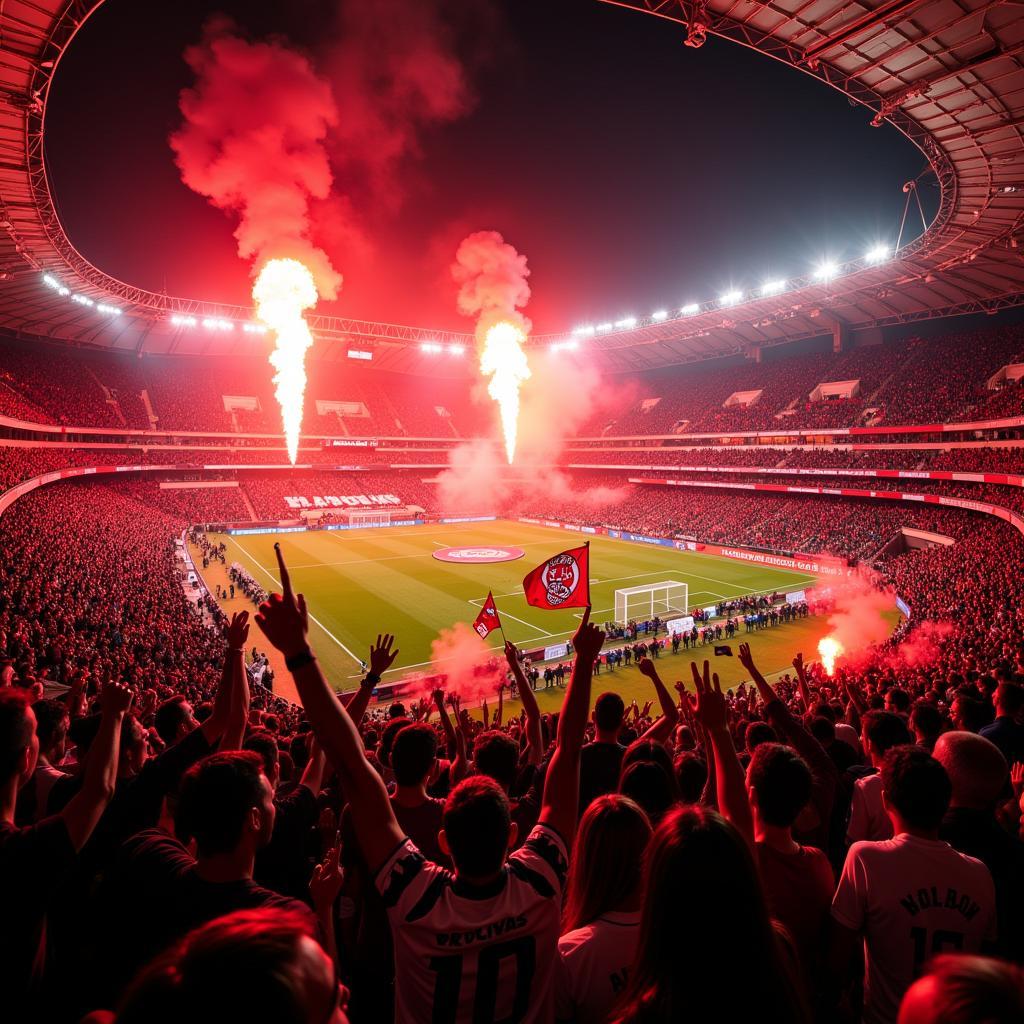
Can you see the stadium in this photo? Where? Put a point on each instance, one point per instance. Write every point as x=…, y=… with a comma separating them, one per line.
x=329, y=645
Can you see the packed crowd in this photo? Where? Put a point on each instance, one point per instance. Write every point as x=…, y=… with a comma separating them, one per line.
x=175, y=843
x=919, y=380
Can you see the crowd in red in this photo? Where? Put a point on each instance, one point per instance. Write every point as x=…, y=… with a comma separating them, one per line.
x=169, y=831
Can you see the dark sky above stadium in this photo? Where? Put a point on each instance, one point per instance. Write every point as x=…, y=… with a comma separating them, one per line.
x=635, y=173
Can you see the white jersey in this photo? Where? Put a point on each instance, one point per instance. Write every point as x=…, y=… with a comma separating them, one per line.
x=476, y=953
x=868, y=820
x=594, y=968
x=911, y=898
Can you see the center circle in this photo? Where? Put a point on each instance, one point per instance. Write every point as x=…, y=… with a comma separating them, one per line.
x=472, y=556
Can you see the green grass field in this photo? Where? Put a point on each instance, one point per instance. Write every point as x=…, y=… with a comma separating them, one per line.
x=361, y=582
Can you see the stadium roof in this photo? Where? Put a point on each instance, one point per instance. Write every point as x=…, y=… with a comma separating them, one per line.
x=949, y=74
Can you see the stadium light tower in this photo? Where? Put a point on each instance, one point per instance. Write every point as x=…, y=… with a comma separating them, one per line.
x=826, y=270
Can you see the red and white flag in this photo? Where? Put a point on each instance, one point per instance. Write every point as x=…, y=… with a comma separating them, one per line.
x=487, y=621
x=563, y=581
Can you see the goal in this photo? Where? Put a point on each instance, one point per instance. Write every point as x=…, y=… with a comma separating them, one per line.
x=377, y=517
x=662, y=599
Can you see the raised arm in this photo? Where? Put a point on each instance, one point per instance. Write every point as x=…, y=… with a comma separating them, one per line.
x=662, y=728
x=284, y=621
x=534, y=735
x=456, y=740
x=711, y=712
x=801, y=681
x=86, y=807
x=235, y=634
x=560, y=803
x=381, y=659
x=213, y=728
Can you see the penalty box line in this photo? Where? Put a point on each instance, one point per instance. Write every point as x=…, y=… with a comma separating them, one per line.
x=274, y=579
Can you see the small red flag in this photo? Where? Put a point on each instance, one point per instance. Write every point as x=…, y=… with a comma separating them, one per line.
x=487, y=621
x=563, y=581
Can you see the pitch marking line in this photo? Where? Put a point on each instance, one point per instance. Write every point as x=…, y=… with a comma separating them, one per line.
x=391, y=558
x=274, y=579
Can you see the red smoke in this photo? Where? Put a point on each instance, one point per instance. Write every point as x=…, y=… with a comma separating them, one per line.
x=252, y=142
x=491, y=276
x=858, y=620
x=395, y=70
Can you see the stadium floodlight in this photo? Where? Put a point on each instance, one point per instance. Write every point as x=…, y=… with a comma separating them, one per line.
x=661, y=314
x=83, y=300
x=877, y=254
x=108, y=310
x=826, y=270
x=212, y=323
x=603, y=328
x=52, y=282
x=626, y=322
x=254, y=328
x=773, y=287
x=358, y=353
x=431, y=348
x=183, y=321
x=456, y=350
x=690, y=308
x=584, y=331
x=730, y=298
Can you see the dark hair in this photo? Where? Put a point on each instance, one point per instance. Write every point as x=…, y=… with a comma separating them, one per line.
x=237, y=967
x=1010, y=697
x=900, y=699
x=216, y=796
x=647, y=750
x=885, y=729
x=52, y=721
x=170, y=717
x=387, y=737
x=413, y=754
x=927, y=719
x=496, y=755
x=823, y=730
x=477, y=822
x=607, y=859
x=699, y=869
x=782, y=781
x=651, y=785
x=964, y=989
x=692, y=776
x=609, y=710
x=758, y=733
x=15, y=729
x=265, y=744
x=973, y=713
x=916, y=785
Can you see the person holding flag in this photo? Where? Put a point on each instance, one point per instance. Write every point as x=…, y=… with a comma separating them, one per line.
x=563, y=581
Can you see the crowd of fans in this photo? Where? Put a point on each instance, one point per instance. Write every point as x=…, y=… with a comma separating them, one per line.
x=176, y=843
x=919, y=380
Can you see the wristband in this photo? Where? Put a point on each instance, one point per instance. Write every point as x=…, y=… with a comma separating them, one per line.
x=370, y=679
x=300, y=660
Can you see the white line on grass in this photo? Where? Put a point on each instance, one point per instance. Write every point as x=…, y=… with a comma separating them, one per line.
x=523, y=622
x=391, y=558
x=274, y=579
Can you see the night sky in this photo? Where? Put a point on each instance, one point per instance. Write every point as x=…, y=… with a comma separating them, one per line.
x=635, y=173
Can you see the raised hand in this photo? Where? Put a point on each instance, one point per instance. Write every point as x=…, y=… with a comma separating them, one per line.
x=381, y=655
x=746, y=659
x=115, y=699
x=328, y=878
x=710, y=710
x=647, y=668
x=588, y=639
x=511, y=654
x=236, y=632
x=438, y=697
x=283, y=617
x=798, y=664
x=1017, y=779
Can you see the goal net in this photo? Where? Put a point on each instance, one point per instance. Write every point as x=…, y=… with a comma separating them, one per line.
x=669, y=598
x=377, y=517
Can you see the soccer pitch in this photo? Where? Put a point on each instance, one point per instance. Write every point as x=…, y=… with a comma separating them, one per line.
x=359, y=583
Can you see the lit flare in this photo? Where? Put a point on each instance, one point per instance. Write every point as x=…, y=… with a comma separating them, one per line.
x=830, y=649
x=504, y=361
x=283, y=289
